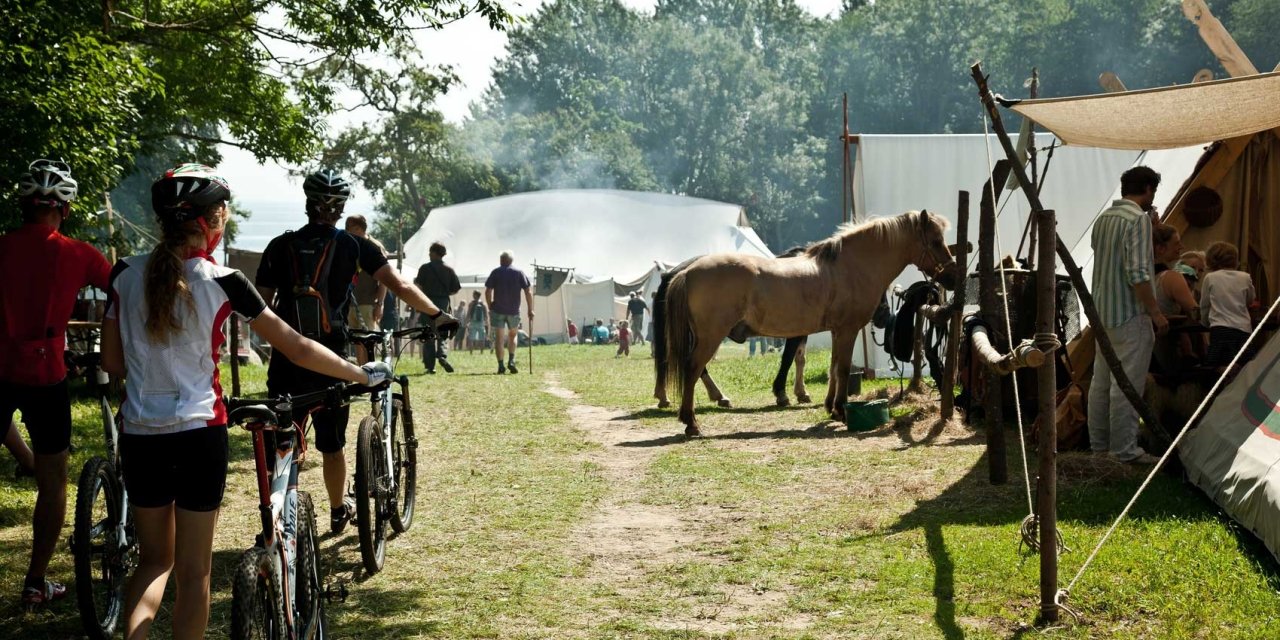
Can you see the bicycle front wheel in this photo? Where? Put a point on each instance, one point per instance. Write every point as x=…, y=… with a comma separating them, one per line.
x=309, y=611
x=257, y=599
x=101, y=557
x=371, y=512
x=404, y=464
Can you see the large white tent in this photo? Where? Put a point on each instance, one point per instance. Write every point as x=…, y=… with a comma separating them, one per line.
x=896, y=173
x=605, y=236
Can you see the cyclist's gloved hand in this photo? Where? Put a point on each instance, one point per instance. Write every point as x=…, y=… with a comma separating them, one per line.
x=377, y=372
x=445, y=325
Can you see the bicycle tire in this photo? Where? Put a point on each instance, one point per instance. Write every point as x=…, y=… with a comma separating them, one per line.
x=309, y=611
x=404, y=464
x=95, y=547
x=370, y=512
x=257, y=599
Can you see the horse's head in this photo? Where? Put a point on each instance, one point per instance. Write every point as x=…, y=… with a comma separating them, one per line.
x=935, y=258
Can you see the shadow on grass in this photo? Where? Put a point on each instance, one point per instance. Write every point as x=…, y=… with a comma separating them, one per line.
x=974, y=501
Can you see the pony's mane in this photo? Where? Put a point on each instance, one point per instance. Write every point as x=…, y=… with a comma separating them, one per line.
x=880, y=230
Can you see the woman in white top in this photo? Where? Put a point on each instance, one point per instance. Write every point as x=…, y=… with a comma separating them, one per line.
x=163, y=332
x=1226, y=294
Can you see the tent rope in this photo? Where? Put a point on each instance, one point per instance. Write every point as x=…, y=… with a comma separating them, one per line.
x=1063, y=594
x=1029, y=529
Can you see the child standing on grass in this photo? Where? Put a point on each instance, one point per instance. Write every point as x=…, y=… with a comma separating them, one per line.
x=624, y=340
x=1226, y=294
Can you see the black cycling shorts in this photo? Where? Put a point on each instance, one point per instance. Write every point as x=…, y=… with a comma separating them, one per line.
x=45, y=410
x=187, y=469
x=329, y=426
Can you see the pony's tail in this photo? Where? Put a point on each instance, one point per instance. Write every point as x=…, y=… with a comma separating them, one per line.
x=659, y=343
x=680, y=340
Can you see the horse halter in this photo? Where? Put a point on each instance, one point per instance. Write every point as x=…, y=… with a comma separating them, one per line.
x=939, y=264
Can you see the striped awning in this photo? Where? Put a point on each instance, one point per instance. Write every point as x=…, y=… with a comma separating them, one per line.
x=1163, y=118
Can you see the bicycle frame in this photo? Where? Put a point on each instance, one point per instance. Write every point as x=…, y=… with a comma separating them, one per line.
x=277, y=479
x=381, y=399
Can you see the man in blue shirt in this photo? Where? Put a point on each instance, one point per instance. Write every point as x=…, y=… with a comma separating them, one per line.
x=502, y=296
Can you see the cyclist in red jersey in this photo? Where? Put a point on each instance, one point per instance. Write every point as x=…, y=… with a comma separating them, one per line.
x=44, y=270
x=170, y=308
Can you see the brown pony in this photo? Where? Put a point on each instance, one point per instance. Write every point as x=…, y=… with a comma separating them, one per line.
x=835, y=286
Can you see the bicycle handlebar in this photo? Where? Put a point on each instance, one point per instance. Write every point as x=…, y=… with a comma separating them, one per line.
x=278, y=412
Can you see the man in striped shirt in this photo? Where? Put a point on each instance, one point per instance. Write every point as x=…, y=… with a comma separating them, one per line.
x=1123, y=262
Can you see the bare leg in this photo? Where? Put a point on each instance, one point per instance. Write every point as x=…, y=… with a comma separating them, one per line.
x=499, y=342
x=155, y=527
x=18, y=447
x=50, y=511
x=194, y=562
x=335, y=477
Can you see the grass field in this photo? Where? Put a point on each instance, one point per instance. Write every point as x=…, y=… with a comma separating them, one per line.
x=563, y=505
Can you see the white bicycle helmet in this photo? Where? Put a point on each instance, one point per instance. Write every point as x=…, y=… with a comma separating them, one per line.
x=48, y=183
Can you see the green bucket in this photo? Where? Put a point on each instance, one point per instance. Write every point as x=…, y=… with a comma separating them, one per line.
x=866, y=415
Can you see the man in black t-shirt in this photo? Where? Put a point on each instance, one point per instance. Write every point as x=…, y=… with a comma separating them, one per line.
x=439, y=281
x=278, y=280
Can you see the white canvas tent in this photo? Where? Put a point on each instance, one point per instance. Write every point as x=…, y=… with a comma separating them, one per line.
x=896, y=173
x=606, y=236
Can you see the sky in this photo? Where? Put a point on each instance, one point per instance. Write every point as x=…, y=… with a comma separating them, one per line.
x=469, y=45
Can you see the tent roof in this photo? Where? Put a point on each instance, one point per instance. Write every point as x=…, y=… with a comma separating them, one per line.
x=600, y=233
x=1162, y=118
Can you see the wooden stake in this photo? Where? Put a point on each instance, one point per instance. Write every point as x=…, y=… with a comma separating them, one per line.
x=952, y=361
x=1047, y=384
x=1069, y=263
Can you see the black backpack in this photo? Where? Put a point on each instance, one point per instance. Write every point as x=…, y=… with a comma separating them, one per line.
x=307, y=306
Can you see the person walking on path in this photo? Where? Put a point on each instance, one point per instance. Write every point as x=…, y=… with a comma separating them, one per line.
x=1122, y=288
x=636, y=308
x=306, y=277
x=502, y=295
x=438, y=281
x=43, y=271
x=477, y=323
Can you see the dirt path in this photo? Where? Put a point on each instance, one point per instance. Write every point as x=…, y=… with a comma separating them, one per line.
x=625, y=540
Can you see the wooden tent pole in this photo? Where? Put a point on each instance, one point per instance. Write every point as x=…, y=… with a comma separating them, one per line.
x=957, y=305
x=849, y=205
x=1047, y=382
x=997, y=463
x=1068, y=262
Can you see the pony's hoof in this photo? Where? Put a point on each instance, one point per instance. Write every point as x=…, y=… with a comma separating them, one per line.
x=803, y=399
x=663, y=404
x=693, y=432
x=724, y=402
x=782, y=401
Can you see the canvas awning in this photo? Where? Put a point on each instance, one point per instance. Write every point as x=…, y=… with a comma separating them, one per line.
x=1163, y=118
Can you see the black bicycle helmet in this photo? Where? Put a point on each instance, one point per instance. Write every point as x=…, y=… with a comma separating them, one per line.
x=47, y=183
x=186, y=191
x=327, y=187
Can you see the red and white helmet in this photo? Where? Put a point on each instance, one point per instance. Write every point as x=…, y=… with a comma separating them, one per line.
x=47, y=183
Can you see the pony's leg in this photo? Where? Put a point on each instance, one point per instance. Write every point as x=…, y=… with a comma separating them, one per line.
x=802, y=394
x=713, y=390
x=660, y=387
x=702, y=354
x=841, y=362
x=784, y=366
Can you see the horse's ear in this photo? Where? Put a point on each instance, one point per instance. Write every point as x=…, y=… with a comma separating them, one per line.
x=924, y=220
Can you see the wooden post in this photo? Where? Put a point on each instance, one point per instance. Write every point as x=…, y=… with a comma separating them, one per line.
x=997, y=463
x=952, y=361
x=1047, y=383
x=1069, y=263
x=111, y=228
x=917, y=359
x=235, y=355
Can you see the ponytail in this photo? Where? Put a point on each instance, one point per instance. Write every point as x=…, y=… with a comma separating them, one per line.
x=166, y=279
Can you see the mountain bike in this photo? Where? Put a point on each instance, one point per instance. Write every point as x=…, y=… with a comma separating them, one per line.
x=103, y=541
x=278, y=591
x=386, y=452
